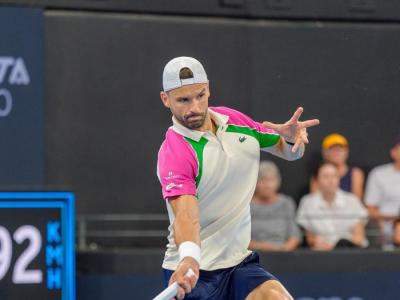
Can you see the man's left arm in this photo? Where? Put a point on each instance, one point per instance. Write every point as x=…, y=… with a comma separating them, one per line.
x=283, y=149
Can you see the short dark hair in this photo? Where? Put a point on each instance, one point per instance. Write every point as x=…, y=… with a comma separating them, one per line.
x=185, y=73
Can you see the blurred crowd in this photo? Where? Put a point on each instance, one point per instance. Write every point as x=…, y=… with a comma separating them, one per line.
x=341, y=210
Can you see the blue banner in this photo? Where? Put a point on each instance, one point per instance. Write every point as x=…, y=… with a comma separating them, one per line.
x=21, y=96
x=343, y=285
x=366, y=285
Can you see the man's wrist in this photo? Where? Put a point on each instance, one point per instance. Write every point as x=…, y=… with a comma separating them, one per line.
x=289, y=143
x=189, y=249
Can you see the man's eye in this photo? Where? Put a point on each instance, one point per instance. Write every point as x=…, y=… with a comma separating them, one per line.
x=201, y=95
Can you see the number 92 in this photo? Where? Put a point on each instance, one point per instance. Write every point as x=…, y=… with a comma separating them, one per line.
x=20, y=273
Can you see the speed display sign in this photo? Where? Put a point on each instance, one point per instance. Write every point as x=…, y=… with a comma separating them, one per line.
x=37, y=257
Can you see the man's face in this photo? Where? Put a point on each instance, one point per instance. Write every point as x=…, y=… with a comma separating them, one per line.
x=395, y=153
x=328, y=179
x=189, y=104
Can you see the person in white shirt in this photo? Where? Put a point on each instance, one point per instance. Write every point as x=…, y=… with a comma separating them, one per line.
x=332, y=217
x=382, y=195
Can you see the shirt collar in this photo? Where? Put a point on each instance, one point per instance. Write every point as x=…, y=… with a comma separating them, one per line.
x=338, y=201
x=196, y=135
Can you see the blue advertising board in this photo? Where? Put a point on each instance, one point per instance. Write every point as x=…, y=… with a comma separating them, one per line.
x=343, y=285
x=21, y=96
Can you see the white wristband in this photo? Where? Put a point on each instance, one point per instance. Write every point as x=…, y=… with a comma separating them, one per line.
x=191, y=249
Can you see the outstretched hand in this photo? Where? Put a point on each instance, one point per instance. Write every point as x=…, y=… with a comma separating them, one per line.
x=293, y=131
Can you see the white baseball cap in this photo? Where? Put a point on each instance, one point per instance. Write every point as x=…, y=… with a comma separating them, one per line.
x=171, y=78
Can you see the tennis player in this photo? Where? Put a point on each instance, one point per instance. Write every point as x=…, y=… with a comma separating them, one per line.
x=208, y=166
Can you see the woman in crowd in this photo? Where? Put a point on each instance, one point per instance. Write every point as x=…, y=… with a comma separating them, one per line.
x=273, y=225
x=335, y=149
x=331, y=217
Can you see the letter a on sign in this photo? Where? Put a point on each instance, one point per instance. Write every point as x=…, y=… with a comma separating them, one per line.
x=19, y=74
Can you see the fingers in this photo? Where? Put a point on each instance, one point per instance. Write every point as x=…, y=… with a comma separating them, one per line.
x=302, y=138
x=185, y=283
x=184, y=286
x=181, y=293
x=270, y=125
x=309, y=123
x=296, y=146
x=192, y=281
x=296, y=115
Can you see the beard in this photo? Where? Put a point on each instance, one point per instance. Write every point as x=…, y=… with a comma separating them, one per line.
x=193, y=121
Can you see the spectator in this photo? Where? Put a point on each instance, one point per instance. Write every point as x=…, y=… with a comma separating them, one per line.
x=396, y=233
x=332, y=217
x=382, y=195
x=273, y=225
x=335, y=149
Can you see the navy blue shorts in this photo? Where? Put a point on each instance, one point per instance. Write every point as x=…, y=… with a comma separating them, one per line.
x=233, y=283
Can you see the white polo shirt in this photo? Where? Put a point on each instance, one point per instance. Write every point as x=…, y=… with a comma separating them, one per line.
x=332, y=222
x=221, y=171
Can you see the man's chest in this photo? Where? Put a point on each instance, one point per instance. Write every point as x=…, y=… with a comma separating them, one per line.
x=229, y=154
x=229, y=170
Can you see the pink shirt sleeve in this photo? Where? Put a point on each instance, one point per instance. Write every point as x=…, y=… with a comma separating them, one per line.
x=176, y=167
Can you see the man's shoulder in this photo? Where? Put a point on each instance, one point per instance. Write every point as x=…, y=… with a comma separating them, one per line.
x=235, y=117
x=224, y=110
x=227, y=111
x=381, y=170
x=173, y=143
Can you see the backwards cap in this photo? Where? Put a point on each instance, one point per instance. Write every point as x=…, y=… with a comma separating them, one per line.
x=171, y=79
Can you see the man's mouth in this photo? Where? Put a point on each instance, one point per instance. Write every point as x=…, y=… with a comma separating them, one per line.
x=194, y=118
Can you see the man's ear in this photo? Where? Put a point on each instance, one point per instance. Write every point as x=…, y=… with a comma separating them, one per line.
x=164, y=98
x=208, y=88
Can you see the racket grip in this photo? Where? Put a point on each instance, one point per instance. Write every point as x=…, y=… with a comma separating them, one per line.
x=171, y=291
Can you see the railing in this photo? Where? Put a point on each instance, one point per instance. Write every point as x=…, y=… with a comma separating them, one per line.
x=120, y=229
x=86, y=228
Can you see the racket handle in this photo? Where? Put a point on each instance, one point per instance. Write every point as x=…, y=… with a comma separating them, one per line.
x=171, y=291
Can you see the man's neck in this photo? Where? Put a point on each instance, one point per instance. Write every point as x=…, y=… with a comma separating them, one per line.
x=396, y=165
x=209, y=125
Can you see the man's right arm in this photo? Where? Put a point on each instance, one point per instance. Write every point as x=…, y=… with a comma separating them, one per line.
x=187, y=239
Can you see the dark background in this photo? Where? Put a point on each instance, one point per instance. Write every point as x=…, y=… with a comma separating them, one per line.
x=102, y=120
x=105, y=122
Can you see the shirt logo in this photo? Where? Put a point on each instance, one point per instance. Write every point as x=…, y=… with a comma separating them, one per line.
x=173, y=185
x=242, y=139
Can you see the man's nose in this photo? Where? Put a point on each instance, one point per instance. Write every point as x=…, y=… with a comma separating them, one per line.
x=195, y=107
